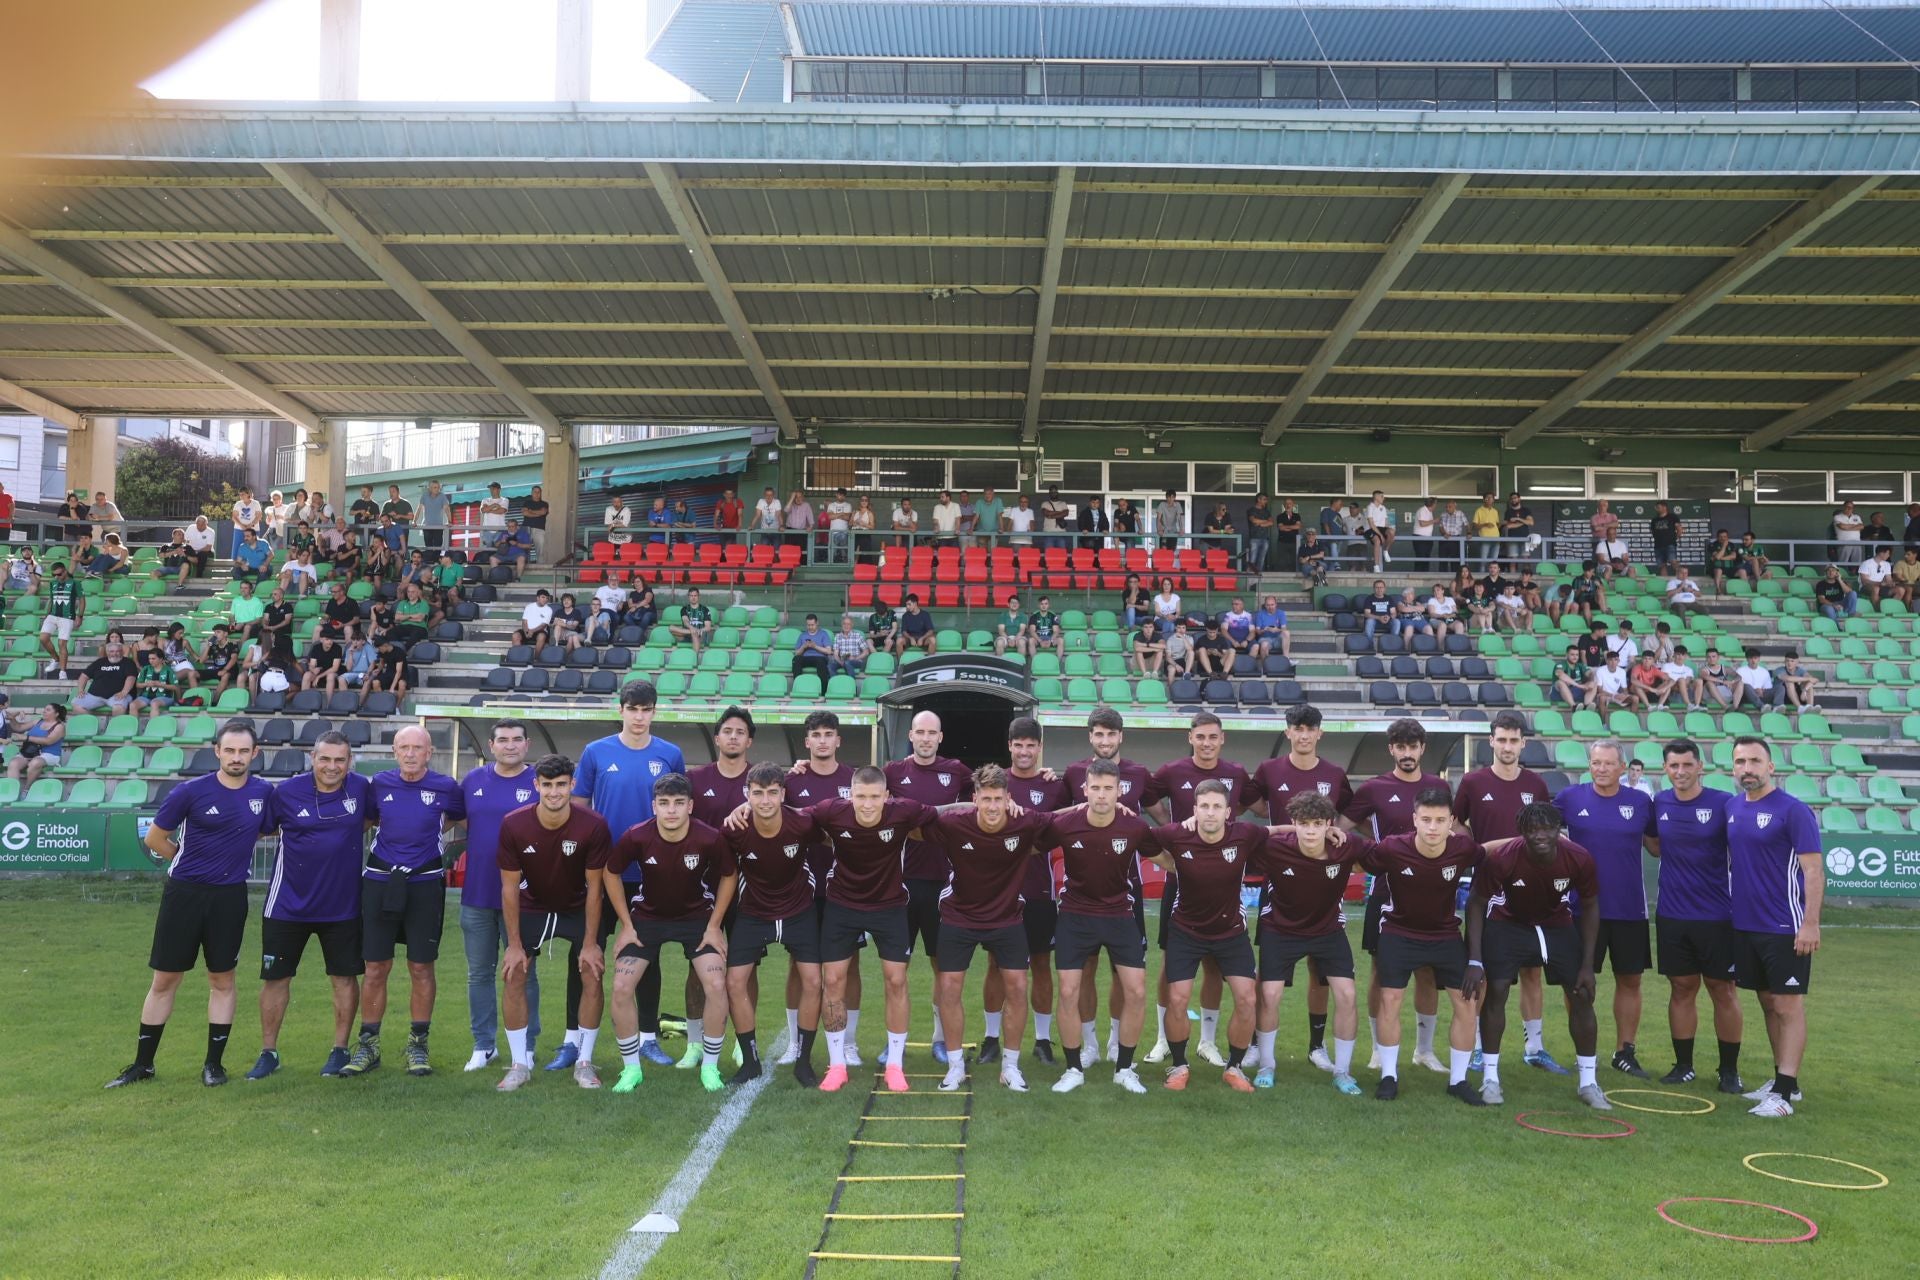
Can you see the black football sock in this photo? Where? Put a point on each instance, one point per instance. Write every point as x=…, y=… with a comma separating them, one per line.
x=1730, y=1056
x=1316, y=1031
x=1125, y=1060
x=148, y=1044
x=646, y=995
x=1073, y=1057
x=806, y=1044
x=1683, y=1052
x=748, y=1049
x=1785, y=1085
x=1235, y=1053
x=217, y=1033
x=369, y=1030
x=419, y=1028
x=1178, y=1048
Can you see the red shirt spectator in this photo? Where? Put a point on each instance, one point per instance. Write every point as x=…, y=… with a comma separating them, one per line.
x=727, y=512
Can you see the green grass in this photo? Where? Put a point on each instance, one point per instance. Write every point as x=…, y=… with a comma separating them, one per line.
x=297, y=1176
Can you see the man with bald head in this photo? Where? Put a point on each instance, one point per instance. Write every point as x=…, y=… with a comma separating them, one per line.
x=403, y=897
x=930, y=778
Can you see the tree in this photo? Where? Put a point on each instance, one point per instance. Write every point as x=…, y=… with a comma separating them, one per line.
x=172, y=480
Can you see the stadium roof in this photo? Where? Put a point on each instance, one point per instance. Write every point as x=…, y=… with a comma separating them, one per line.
x=988, y=269
x=732, y=50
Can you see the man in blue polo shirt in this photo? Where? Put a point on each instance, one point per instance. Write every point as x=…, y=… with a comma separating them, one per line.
x=1615, y=824
x=205, y=832
x=1779, y=882
x=314, y=891
x=1693, y=923
x=492, y=792
x=615, y=777
x=403, y=896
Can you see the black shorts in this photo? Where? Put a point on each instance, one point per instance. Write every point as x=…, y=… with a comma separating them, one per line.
x=1280, y=952
x=654, y=936
x=1767, y=962
x=1399, y=956
x=923, y=915
x=1688, y=947
x=1508, y=947
x=1007, y=945
x=538, y=928
x=1628, y=944
x=1370, y=925
x=843, y=927
x=1041, y=919
x=748, y=940
x=196, y=918
x=1078, y=939
x=283, y=941
x=1184, y=952
x=417, y=924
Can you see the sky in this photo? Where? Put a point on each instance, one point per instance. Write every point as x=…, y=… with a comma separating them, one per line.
x=422, y=51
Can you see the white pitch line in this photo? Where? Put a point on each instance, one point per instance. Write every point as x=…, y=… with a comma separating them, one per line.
x=637, y=1248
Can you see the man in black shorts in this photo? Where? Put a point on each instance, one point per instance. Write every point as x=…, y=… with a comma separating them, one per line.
x=1100, y=849
x=1206, y=922
x=932, y=779
x=1518, y=918
x=819, y=777
x=1031, y=788
x=205, y=832
x=775, y=905
x=552, y=858
x=314, y=892
x=687, y=878
x=1300, y=920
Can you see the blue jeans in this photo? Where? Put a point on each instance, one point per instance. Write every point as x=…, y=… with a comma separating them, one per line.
x=1847, y=607
x=1257, y=549
x=846, y=667
x=486, y=939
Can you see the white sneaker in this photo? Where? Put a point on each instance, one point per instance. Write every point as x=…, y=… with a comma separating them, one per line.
x=1208, y=1051
x=1129, y=1080
x=1772, y=1107
x=1011, y=1078
x=1321, y=1059
x=1070, y=1079
x=1765, y=1091
x=1089, y=1053
x=853, y=1058
x=480, y=1058
x=1430, y=1062
x=955, y=1077
x=1158, y=1053
x=1373, y=1059
x=790, y=1054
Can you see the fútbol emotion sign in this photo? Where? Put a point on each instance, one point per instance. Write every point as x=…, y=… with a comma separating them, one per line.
x=52, y=840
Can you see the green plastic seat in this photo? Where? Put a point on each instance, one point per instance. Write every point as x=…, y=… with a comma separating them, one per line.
x=842, y=689
x=232, y=702
x=751, y=661
x=774, y=685
x=1839, y=821
x=1882, y=821
x=948, y=639
x=198, y=731
x=734, y=616
x=979, y=642
x=872, y=686
x=1150, y=692
x=164, y=762
x=1884, y=790
x=702, y=684
x=81, y=760
x=1111, y=666
x=766, y=616
x=1807, y=757
x=9, y=791
x=1047, y=690
x=671, y=684
x=1550, y=724
x=1103, y=620
x=128, y=793
x=158, y=729
x=807, y=687
x=1625, y=725
x=1116, y=692
x=1891, y=673
x=713, y=658
x=1079, y=664
x=1799, y=786
x=1570, y=755
x=43, y=794
x=1778, y=727
x=650, y=659
x=737, y=687
x=1736, y=724
x=124, y=762
x=882, y=664
x=1588, y=724
x=1816, y=727
x=1847, y=758
x=1494, y=646
x=1083, y=690
x=18, y=670
x=82, y=728
x=683, y=659
x=1885, y=700
x=1663, y=725
x=1701, y=727
x=88, y=793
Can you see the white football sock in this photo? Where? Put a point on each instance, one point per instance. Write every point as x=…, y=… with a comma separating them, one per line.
x=1588, y=1066
x=1423, y=1024
x=1373, y=1030
x=1209, y=1024
x=517, y=1046
x=939, y=1031
x=1090, y=1034
x=1536, y=1040
x=1457, y=1060
x=588, y=1035
x=896, y=1049
x=1490, y=1068
x=710, y=1047
x=836, y=1048
x=1160, y=1022
x=1389, y=1060
x=1011, y=1058
x=572, y=1037
x=793, y=1026
x=853, y=1023
x=1043, y=1026
x=1343, y=1057
x=993, y=1026
x=629, y=1051
x=1263, y=1040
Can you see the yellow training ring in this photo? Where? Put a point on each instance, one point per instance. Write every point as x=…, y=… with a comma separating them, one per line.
x=1614, y=1094
x=1830, y=1186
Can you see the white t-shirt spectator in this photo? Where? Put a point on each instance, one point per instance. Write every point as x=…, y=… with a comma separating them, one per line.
x=946, y=516
x=295, y=571
x=493, y=512
x=1508, y=600
x=1423, y=522
x=1610, y=681
x=1442, y=607
x=1020, y=525
x=839, y=514
x=767, y=512
x=1676, y=671
x=1846, y=528
x=1755, y=676
x=246, y=515
x=536, y=615
x=200, y=539
x=1625, y=647
x=905, y=519
x=1876, y=570
x=1378, y=517
x=1610, y=551
x=1683, y=590
x=617, y=523
x=608, y=598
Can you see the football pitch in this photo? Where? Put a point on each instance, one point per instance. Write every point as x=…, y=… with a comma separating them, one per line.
x=391, y=1176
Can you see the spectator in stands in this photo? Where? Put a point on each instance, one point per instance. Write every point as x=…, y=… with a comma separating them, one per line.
x=1847, y=528
x=251, y=558
x=1637, y=779
x=417, y=569
x=299, y=508
x=969, y=522
x=1378, y=529
x=1529, y=591
x=73, y=518
x=536, y=621
x=1624, y=642
x=1613, y=558
x=447, y=577
x=860, y=527
x=1906, y=577
x=1453, y=534
x=850, y=650
x=1516, y=526
x=274, y=518
x=1149, y=651
x=533, y=518
x=389, y=674
x=1665, y=528
x=1754, y=564
x=1479, y=608
x=1877, y=531
x=1661, y=644
x=180, y=657
x=1093, y=522
x=107, y=682
x=176, y=560
x=1573, y=679
x=683, y=515
x=413, y=615
x=394, y=535
x=41, y=746
x=400, y=509
x=883, y=628
x=1270, y=630
x=1310, y=558
x=1837, y=599
x=1443, y=611
x=23, y=572
x=1327, y=519
x=1259, y=546
x=247, y=515
x=325, y=662
x=1011, y=629
x=1055, y=513
x=154, y=689
x=1136, y=602
x=1510, y=608
x=356, y=663
x=493, y=511
x=364, y=511
x=1611, y=686
x=1797, y=684
x=1236, y=624
x=1646, y=683
x=511, y=547
x=696, y=622
x=1604, y=524
x=1288, y=525
x=659, y=520
x=331, y=542
x=906, y=522
x=1179, y=652
x=380, y=619
x=219, y=661
x=1213, y=652
x=1723, y=560
x=112, y=560
x=1485, y=523
x=1220, y=528
x=1911, y=535
x=987, y=511
x=1169, y=520
x=1679, y=670
x=1876, y=573
x=617, y=518
x=6, y=535
x=813, y=649
x=1166, y=606
x=1356, y=546
x=799, y=522
x=609, y=600
x=245, y=612
x=1410, y=614
x=729, y=512
x=1017, y=522
x=839, y=515
x=431, y=516
x=1754, y=683
x=1716, y=680
x=1683, y=593
x=84, y=550
x=1376, y=610
x=1425, y=523
x=276, y=622
x=639, y=610
x=767, y=516
x=916, y=629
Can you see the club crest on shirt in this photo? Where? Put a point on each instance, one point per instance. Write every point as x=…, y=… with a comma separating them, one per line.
x=1448, y=873
x=256, y=805
x=1324, y=788
x=886, y=834
x=1230, y=852
x=655, y=767
x=1762, y=819
x=1119, y=844
x=1526, y=797
x=522, y=794
x=791, y=850
x=845, y=792
x=427, y=798
x=1561, y=885
x=1012, y=843
x=1126, y=786
x=1037, y=797
x=1333, y=872
x=351, y=806
x=946, y=779
x=1626, y=811
x=691, y=860
x=1703, y=815
x=569, y=847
